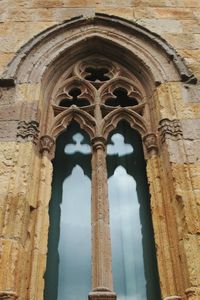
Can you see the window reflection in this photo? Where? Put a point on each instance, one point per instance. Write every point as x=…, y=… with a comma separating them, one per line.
x=74, y=273
x=126, y=237
x=68, y=275
x=118, y=146
x=78, y=146
x=135, y=273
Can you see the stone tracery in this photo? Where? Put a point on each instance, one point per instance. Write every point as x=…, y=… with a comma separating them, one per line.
x=102, y=100
x=111, y=94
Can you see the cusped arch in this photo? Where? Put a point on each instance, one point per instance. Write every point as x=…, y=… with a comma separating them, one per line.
x=111, y=121
x=87, y=91
x=158, y=59
x=62, y=121
x=133, y=89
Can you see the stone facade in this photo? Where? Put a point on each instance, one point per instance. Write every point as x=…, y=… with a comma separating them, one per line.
x=38, y=45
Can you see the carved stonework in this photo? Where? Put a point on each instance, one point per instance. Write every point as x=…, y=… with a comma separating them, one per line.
x=150, y=142
x=170, y=129
x=102, y=295
x=8, y=295
x=51, y=70
x=173, y=298
x=98, y=93
x=46, y=144
x=193, y=292
x=27, y=131
x=99, y=142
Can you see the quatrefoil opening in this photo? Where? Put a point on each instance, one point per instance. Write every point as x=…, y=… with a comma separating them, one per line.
x=97, y=74
x=121, y=98
x=75, y=100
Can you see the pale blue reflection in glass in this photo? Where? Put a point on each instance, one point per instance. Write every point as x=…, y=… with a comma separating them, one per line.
x=74, y=246
x=78, y=146
x=135, y=274
x=68, y=274
x=128, y=265
x=118, y=146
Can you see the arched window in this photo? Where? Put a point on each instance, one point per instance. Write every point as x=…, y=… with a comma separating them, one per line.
x=68, y=274
x=99, y=95
x=97, y=72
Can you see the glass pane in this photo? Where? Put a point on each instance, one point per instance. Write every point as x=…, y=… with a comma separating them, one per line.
x=133, y=252
x=69, y=247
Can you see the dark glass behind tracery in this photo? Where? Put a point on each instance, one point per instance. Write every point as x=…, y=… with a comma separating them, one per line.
x=135, y=272
x=68, y=274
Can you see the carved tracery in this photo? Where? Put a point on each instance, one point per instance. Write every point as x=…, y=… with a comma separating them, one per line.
x=98, y=93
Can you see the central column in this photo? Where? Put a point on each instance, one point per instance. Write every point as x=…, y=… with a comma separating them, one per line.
x=102, y=285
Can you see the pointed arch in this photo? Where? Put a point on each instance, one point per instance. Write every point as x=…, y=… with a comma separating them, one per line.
x=113, y=118
x=61, y=122
x=51, y=45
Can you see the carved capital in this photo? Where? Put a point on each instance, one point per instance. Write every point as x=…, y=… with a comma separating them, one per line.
x=150, y=142
x=27, y=131
x=5, y=295
x=170, y=129
x=46, y=144
x=99, y=142
x=102, y=294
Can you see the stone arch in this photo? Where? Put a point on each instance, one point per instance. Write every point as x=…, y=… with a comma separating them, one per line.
x=37, y=55
x=40, y=63
x=135, y=121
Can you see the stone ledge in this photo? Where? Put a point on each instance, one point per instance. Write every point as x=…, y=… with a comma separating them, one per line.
x=173, y=298
x=5, y=295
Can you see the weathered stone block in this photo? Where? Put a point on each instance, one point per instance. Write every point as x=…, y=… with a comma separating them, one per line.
x=191, y=245
x=126, y=12
x=161, y=25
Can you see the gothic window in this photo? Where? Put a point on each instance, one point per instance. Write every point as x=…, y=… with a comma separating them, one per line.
x=99, y=156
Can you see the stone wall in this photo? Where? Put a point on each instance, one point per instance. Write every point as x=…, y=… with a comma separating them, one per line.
x=175, y=20
x=174, y=176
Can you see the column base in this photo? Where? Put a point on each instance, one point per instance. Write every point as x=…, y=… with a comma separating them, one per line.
x=102, y=294
x=4, y=295
x=173, y=298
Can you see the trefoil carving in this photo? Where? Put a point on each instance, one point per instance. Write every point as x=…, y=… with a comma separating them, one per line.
x=98, y=93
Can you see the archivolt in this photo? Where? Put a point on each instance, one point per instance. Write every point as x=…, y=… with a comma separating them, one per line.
x=147, y=54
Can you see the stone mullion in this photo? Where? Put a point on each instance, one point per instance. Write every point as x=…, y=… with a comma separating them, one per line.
x=102, y=285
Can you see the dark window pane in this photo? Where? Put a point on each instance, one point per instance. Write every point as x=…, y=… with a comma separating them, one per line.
x=133, y=251
x=68, y=275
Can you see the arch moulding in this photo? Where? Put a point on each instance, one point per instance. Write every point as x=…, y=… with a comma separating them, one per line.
x=53, y=62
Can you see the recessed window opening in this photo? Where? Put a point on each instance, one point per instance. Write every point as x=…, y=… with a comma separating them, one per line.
x=96, y=74
x=68, y=274
x=135, y=272
x=75, y=92
x=121, y=99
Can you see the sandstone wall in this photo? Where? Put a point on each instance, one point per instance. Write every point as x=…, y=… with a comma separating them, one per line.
x=175, y=20
x=22, y=204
